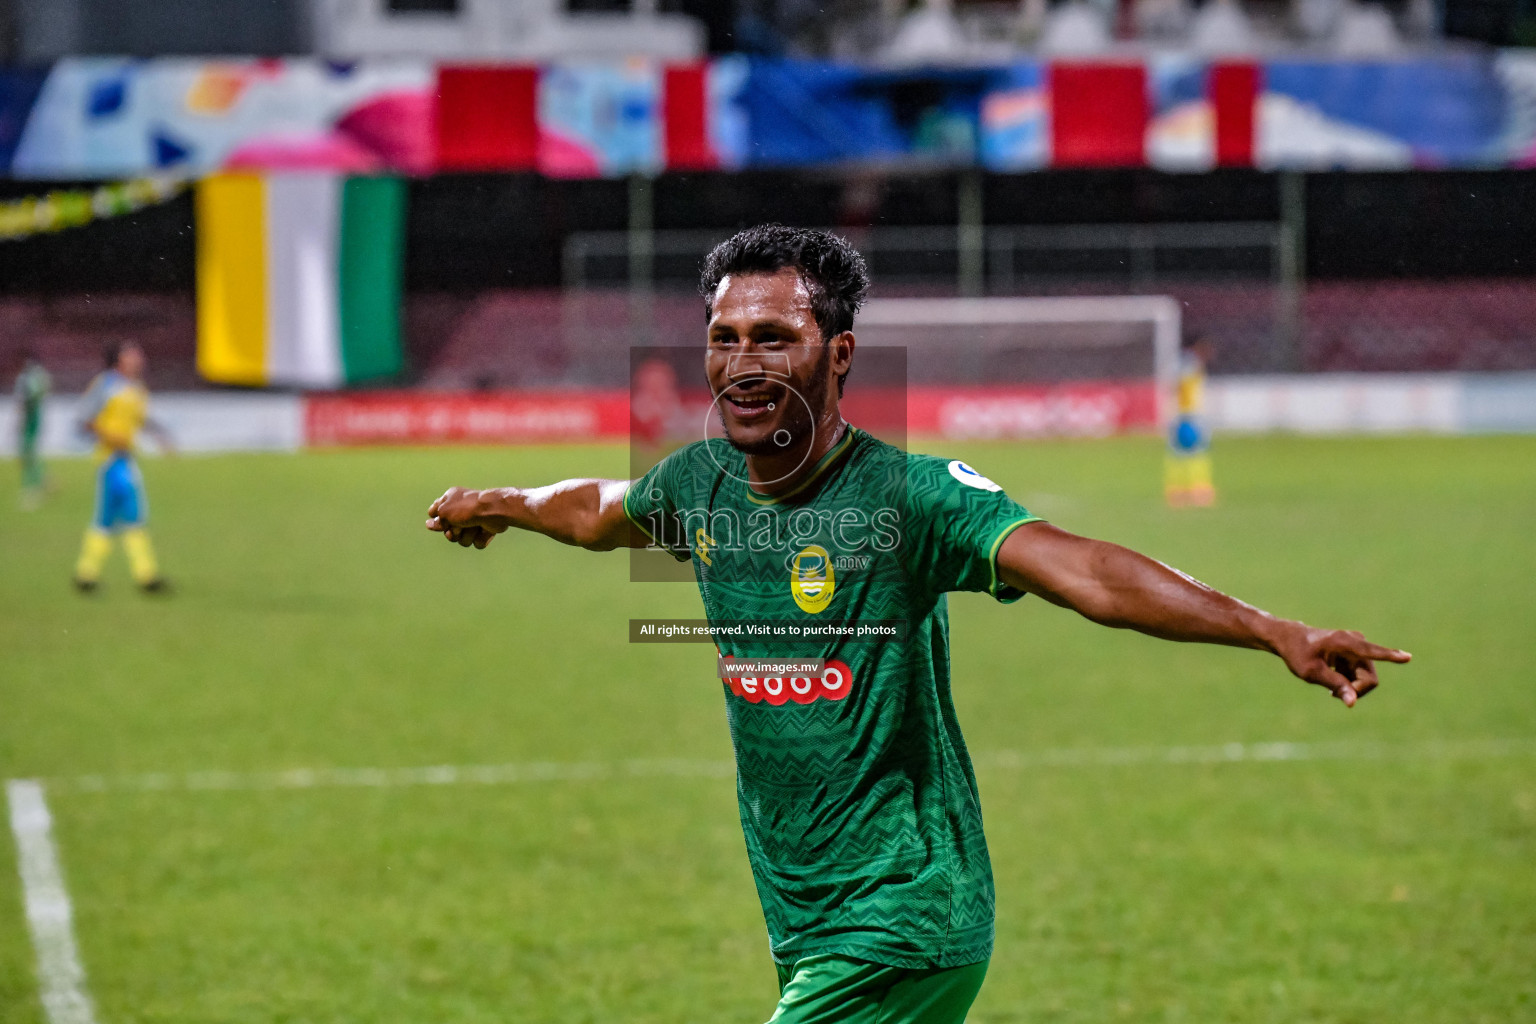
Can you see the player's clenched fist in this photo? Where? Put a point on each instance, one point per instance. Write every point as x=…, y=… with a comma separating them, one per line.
x=459, y=515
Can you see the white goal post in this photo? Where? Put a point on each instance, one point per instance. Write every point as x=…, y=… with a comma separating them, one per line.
x=937, y=331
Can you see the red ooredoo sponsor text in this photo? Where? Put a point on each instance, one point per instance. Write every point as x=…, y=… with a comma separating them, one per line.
x=833, y=684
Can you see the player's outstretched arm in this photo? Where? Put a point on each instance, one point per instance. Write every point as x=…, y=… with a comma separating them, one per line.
x=585, y=513
x=1117, y=587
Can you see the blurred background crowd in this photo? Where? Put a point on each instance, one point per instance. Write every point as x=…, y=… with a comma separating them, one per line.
x=43, y=30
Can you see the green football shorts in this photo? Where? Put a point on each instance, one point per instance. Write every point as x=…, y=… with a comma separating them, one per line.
x=840, y=990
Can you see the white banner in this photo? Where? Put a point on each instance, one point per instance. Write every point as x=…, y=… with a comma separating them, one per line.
x=1374, y=403
x=198, y=421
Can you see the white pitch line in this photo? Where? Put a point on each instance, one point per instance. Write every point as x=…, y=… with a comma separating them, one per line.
x=390, y=778
x=59, y=972
x=999, y=760
x=1360, y=750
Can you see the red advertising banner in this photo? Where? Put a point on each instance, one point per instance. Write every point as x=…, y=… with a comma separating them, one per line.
x=487, y=117
x=410, y=417
x=1096, y=409
x=685, y=118
x=1099, y=114
x=1235, y=91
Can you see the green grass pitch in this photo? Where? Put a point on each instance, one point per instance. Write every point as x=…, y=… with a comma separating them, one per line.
x=317, y=625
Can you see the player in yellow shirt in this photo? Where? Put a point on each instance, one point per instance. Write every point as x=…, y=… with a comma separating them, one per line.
x=1187, y=476
x=116, y=409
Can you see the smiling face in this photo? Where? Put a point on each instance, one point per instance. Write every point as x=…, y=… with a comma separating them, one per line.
x=774, y=375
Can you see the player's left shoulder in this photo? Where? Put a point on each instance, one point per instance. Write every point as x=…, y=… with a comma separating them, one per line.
x=949, y=475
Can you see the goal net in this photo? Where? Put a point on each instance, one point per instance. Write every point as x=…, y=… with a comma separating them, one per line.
x=1031, y=367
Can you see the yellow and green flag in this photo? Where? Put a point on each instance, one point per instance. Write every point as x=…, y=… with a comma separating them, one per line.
x=298, y=279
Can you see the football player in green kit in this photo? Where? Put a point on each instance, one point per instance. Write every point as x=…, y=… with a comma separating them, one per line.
x=857, y=797
x=32, y=387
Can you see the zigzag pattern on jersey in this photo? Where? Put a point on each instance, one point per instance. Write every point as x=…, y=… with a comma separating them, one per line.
x=847, y=812
x=920, y=899
x=858, y=863
x=815, y=731
x=892, y=926
x=854, y=850
x=900, y=921
x=800, y=768
x=913, y=910
x=796, y=761
x=974, y=911
x=787, y=720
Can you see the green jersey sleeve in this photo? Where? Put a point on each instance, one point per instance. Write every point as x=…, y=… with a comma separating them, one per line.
x=652, y=501
x=955, y=522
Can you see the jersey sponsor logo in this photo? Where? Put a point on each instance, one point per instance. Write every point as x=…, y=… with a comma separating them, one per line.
x=704, y=542
x=812, y=579
x=968, y=476
x=835, y=683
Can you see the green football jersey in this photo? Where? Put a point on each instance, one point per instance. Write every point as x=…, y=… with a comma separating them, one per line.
x=32, y=386
x=857, y=796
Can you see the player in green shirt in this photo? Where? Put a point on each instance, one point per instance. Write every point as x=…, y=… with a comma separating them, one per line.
x=32, y=387
x=857, y=797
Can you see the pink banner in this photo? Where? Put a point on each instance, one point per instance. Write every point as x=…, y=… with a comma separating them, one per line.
x=408, y=417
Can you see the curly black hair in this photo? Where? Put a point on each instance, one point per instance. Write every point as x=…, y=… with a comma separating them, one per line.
x=833, y=271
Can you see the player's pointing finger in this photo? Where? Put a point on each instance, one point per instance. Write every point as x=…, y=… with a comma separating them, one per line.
x=1380, y=653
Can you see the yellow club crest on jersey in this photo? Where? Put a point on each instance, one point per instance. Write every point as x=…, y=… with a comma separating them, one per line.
x=811, y=579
